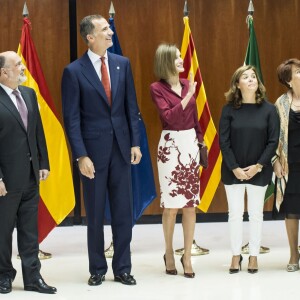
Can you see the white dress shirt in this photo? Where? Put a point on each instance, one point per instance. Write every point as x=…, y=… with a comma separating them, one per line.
x=9, y=92
x=96, y=61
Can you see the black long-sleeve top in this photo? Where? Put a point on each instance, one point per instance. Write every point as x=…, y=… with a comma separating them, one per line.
x=248, y=135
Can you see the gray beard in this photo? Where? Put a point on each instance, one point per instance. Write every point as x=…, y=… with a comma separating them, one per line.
x=22, y=79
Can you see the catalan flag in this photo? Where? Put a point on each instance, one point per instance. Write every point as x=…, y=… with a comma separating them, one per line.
x=210, y=177
x=56, y=193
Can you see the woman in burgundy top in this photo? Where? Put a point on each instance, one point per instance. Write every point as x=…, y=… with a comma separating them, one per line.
x=178, y=152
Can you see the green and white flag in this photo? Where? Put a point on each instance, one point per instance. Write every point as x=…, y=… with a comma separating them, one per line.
x=252, y=55
x=252, y=58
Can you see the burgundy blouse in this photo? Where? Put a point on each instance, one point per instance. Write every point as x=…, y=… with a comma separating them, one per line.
x=172, y=115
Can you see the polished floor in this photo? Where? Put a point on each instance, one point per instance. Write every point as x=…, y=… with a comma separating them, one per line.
x=68, y=269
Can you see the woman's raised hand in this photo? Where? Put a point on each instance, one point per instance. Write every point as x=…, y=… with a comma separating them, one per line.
x=192, y=84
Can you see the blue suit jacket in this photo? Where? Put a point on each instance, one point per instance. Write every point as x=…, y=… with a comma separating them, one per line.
x=89, y=120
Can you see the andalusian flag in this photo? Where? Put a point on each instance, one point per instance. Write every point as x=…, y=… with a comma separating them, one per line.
x=252, y=58
x=252, y=55
x=210, y=177
x=57, y=192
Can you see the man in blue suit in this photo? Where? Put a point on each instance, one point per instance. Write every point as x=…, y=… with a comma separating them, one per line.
x=101, y=118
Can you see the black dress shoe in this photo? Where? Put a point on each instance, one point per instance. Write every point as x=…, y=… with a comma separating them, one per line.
x=5, y=285
x=96, y=279
x=125, y=278
x=40, y=286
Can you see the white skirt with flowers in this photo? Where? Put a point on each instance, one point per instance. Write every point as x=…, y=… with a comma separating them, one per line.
x=178, y=169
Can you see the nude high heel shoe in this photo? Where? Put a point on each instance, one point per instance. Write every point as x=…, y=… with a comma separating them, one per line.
x=234, y=271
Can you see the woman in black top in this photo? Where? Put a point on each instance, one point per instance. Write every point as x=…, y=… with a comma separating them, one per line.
x=249, y=129
x=287, y=159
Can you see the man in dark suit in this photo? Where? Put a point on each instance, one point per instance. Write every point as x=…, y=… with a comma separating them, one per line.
x=101, y=120
x=23, y=163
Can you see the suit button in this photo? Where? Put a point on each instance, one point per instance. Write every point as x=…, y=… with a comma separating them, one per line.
x=111, y=132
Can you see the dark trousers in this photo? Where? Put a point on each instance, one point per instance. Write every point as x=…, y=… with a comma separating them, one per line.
x=114, y=177
x=20, y=208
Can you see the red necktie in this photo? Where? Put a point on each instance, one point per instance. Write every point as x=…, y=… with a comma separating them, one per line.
x=105, y=80
x=22, y=108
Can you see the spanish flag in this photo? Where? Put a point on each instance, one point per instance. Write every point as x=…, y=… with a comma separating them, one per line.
x=210, y=177
x=56, y=193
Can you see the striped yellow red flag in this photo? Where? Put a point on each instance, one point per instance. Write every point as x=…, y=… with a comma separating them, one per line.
x=210, y=177
x=57, y=192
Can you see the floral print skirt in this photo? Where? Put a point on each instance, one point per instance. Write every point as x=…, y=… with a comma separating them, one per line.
x=178, y=169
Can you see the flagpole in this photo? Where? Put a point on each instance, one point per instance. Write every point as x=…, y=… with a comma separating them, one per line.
x=50, y=210
x=195, y=250
x=256, y=63
x=109, y=252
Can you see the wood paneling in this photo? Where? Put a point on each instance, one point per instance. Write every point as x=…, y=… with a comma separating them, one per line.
x=220, y=35
x=50, y=33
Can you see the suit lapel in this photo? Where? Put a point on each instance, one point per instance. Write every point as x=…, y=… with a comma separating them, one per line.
x=114, y=72
x=7, y=102
x=90, y=74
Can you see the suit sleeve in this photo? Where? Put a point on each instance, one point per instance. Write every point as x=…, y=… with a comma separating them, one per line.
x=71, y=112
x=40, y=139
x=132, y=109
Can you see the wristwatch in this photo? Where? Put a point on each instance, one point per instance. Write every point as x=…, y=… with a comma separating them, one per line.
x=259, y=167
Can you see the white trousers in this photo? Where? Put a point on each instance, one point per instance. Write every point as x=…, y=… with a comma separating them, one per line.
x=235, y=198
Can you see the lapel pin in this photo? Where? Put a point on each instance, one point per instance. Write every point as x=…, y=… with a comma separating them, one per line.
x=118, y=68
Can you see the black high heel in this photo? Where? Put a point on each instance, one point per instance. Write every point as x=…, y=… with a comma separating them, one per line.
x=169, y=272
x=252, y=271
x=187, y=275
x=234, y=271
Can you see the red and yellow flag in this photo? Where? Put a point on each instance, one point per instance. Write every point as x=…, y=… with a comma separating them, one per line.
x=210, y=177
x=57, y=192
